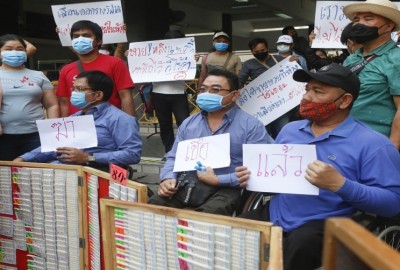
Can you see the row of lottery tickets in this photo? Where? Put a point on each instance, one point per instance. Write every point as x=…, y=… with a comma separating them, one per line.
x=146, y=240
x=39, y=215
x=116, y=191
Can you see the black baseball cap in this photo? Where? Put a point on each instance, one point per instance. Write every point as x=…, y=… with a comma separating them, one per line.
x=332, y=74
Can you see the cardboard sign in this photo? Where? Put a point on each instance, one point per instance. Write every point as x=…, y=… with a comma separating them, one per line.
x=118, y=174
x=107, y=14
x=329, y=23
x=76, y=131
x=273, y=93
x=211, y=151
x=162, y=60
x=279, y=168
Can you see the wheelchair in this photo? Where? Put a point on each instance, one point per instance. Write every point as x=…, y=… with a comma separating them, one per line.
x=386, y=229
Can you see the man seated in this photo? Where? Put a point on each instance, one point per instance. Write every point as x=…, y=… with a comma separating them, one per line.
x=118, y=135
x=357, y=168
x=219, y=115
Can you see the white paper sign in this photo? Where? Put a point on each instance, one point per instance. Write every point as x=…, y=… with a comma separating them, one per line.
x=329, y=23
x=107, y=14
x=162, y=60
x=211, y=151
x=273, y=93
x=279, y=168
x=77, y=131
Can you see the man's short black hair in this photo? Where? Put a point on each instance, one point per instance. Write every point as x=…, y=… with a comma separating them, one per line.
x=346, y=34
x=84, y=24
x=98, y=81
x=255, y=41
x=285, y=30
x=232, y=78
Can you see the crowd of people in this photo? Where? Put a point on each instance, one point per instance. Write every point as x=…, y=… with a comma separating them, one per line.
x=350, y=111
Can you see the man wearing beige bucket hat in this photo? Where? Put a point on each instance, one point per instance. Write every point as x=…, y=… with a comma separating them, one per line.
x=377, y=65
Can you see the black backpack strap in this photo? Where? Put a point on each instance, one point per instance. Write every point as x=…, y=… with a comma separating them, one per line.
x=356, y=69
x=80, y=67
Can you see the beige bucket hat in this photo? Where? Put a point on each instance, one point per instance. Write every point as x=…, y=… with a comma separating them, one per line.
x=384, y=8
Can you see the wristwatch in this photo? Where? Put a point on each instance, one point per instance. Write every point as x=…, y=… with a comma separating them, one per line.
x=90, y=158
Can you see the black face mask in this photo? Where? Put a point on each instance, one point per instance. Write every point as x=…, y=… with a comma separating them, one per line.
x=261, y=55
x=362, y=33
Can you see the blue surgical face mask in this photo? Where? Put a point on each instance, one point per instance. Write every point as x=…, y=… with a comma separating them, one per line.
x=78, y=99
x=82, y=45
x=210, y=102
x=283, y=48
x=221, y=46
x=13, y=58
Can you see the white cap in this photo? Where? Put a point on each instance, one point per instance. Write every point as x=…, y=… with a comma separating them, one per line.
x=285, y=39
x=221, y=34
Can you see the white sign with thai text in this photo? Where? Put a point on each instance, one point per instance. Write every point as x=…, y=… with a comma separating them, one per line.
x=329, y=23
x=77, y=131
x=162, y=60
x=273, y=93
x=211, y=151
x=279, y=168
x=107, y=14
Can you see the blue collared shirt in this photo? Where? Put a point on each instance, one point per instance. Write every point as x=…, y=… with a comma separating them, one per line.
x=118, y=138
x=369, y=162
x=243, y=129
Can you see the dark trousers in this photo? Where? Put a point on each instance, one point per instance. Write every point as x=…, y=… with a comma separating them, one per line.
x=302, y=247
x=15, y=145
x=165, y=105
x=223, y=202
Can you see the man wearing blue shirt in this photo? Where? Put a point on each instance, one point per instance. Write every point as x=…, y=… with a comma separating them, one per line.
x=219, y=115
x=357, y=168
x=118, y=135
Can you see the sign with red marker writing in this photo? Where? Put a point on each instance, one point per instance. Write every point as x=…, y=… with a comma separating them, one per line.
x=329, y=23
x=107, y=14
x=118, y=174
x=273, y=93
x=211, y=151
x=279, y=168
x=162, y=60
x=77, y=131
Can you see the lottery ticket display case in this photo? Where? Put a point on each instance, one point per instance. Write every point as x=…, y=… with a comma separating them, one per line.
x=50, y=214
x=348, y=245
x=142, y=236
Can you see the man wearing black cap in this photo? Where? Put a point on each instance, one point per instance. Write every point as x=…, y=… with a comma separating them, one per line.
x=349, y=170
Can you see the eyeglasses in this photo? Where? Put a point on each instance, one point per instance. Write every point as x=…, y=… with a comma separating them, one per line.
x=212, y=90
x=81, y=89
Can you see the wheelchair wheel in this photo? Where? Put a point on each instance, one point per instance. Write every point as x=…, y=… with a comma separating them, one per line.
x=391, y=236
x=255, y=200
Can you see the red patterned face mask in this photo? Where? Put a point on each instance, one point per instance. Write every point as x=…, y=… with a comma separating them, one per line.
x=317, y=111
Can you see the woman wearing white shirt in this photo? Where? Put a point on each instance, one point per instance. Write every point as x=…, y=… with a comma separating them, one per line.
x=25, y=93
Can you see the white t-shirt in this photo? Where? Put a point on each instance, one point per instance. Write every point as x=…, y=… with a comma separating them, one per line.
x=22, y=100
x=169, y=87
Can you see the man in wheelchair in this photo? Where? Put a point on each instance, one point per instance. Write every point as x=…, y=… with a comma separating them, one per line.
x=357, y=168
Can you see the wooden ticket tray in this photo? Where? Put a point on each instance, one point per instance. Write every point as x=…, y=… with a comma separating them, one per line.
x=348, y=245
x=270, y=236
x=79, y=175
